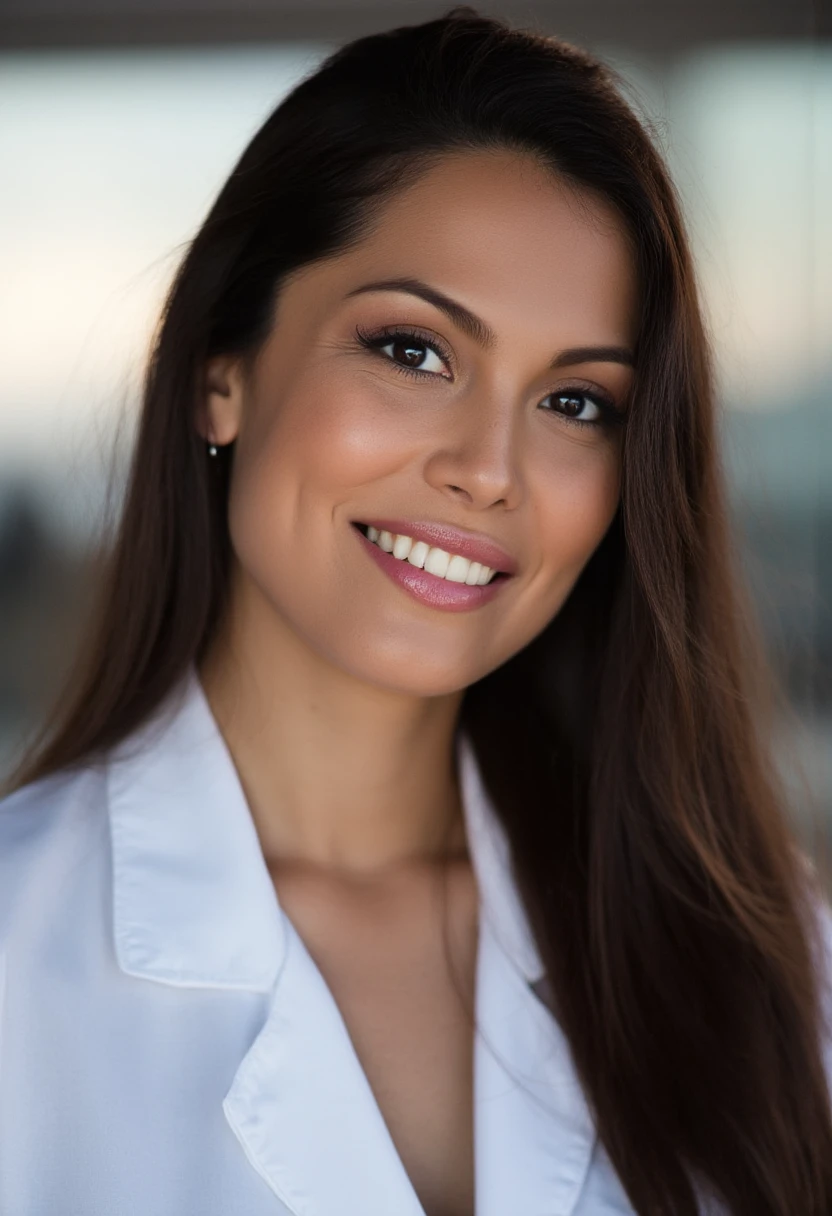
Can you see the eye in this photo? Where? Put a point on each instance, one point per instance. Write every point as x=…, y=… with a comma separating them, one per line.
x=584, y=408
x=409, y=351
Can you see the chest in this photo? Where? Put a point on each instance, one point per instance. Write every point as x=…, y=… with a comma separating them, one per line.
x=400, y=965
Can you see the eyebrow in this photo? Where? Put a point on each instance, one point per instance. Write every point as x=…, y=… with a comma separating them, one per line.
x=476, y=328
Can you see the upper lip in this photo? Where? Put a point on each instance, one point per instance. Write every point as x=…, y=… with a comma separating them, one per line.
x=472, y=545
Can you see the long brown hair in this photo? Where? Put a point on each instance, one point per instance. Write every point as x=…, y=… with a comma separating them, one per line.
x=625, y=747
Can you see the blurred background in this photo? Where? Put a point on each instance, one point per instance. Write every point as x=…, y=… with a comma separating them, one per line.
x=118, y=122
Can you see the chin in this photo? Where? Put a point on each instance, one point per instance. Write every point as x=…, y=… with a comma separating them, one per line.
x=413, y=674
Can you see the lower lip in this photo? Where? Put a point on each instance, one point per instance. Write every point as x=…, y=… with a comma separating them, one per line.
x=428, y=588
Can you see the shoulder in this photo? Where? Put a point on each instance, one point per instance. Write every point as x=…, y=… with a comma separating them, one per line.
x=42, y=827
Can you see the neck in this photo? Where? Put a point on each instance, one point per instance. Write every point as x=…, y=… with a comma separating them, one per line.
x=337, y=773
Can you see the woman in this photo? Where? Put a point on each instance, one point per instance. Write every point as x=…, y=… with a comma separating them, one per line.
x=408, y=839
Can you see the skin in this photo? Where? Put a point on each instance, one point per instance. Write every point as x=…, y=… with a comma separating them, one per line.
x=336, y=691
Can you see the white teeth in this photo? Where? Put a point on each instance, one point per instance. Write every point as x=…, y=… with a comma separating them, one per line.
x=450, y=566
x=418, y=553
x=437, y=562
x=458, y=568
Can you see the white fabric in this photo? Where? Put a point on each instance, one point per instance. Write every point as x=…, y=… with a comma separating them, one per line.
x=168, y=1046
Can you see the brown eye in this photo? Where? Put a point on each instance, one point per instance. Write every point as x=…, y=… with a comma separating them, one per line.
x=408, y=352
x=578, y=406
x=415, y=354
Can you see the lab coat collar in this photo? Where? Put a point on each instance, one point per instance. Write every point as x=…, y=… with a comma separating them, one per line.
x=194, y=904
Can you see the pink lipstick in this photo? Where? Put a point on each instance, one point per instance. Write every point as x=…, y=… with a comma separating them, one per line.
x=431, y=589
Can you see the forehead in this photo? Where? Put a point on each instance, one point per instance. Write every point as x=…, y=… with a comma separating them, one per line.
x=514, y=240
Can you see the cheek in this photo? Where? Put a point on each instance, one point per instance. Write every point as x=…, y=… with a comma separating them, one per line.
x=335, y=436
x=576, y=499
x=303, y=452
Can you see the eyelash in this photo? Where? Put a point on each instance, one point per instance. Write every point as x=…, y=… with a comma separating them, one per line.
x=611, y=415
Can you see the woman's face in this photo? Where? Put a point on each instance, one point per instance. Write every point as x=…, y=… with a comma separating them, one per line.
x=488, y=426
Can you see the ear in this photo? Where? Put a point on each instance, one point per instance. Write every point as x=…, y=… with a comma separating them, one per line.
x=220, y=407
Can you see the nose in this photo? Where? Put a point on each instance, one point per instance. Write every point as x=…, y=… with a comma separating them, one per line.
x=476, y=460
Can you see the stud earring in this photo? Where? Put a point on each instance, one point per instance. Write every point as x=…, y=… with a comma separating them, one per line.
x=212, y=450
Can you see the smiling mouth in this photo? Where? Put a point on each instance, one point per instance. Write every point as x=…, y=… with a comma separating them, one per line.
x=450, y=567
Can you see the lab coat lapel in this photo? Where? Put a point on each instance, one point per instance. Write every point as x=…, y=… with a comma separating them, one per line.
x=194, y=906
x=533, y=1133
x=304, y=1112
x=306, y=1116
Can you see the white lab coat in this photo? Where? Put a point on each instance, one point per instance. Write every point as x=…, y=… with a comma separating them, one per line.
x=169, y=1048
